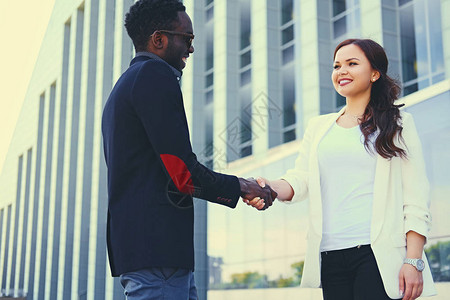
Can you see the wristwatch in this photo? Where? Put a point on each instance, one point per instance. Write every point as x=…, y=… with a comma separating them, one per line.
x=416, y=262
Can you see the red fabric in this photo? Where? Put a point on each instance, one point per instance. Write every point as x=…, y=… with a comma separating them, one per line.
x=179, y=173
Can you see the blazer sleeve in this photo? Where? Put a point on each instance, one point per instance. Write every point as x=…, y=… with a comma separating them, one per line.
x=157, y=100
x=416, y=188
x=298, y=176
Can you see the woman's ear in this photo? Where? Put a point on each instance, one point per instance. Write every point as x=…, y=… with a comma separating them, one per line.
x=375, y=76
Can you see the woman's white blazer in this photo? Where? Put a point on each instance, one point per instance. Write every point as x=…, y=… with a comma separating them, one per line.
x=400, y=204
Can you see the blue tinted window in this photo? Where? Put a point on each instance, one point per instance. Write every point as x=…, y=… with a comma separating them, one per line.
x=401, y=2
x=288, y=54
x=286, y=11
x=340, y=27
x=287, y=35
x=289, y=136
x=338, y=7
x=435, y=28
x=421, y=44
x=246, y=58
x=246, y=77
x=209, y=80
x=408, y=44
x=210, y=13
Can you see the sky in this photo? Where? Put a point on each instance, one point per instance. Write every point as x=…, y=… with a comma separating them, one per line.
x=22, y=27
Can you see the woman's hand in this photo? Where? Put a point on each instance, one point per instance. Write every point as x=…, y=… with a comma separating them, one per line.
x=257, y=202
x=411, y=282
x=262, y=181
x=280, y=186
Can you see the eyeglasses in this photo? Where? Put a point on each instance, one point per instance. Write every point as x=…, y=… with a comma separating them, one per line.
x=188, y=37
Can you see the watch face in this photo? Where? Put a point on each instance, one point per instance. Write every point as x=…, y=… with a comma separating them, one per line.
x=420, y=265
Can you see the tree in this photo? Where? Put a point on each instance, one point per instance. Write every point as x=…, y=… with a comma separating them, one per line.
x=438, y=257
x=298, y=267
x=252, y=280
x=249, y=280
x=285, y=282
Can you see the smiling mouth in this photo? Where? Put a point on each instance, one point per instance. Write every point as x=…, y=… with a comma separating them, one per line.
x=184, y=59
x=344, y=81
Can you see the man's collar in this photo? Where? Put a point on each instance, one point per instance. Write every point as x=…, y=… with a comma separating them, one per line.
x=177, y=73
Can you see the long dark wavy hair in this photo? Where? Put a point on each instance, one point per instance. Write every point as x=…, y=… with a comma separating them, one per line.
x=381, y=113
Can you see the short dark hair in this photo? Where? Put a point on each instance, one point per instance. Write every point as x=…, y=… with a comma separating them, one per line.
x=147, y=16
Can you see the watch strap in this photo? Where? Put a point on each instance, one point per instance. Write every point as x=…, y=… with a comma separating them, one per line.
x=416, y=262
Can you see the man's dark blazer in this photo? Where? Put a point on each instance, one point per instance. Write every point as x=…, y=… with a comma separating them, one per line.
x=152, y=172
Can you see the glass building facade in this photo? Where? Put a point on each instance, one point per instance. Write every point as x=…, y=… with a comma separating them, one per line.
x=421, y=44
x=261, y=69
x=259, y=255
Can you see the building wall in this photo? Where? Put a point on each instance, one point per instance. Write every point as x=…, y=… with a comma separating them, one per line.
x=260, y=71
x=270, y=242
x=53, y=200
x=267, y=244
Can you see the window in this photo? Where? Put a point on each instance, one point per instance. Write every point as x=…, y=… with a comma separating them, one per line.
x=289, y=108
x=288, y=71
x=346, y=19
x=246, y=58
x=287, y=11
x=246, y=77
x=422, y=54
x=287, y=35
x=244, y=135
x=346, y=23
x=207, y=155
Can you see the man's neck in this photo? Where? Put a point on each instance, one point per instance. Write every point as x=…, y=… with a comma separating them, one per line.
x=177, y=73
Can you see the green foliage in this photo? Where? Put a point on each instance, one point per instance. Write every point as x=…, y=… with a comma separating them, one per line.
x=248, y=280
x=438, y=256
x=255, y=280
x=298, y=267
x=285, y=282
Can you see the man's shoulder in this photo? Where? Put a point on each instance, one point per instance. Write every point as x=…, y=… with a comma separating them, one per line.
x=145, y=72
x=149, y=65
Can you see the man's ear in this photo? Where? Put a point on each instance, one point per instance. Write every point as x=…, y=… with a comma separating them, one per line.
x=156, y=41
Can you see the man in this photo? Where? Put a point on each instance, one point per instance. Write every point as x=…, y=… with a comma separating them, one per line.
x=152, y=172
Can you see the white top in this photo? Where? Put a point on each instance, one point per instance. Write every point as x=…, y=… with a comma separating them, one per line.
x=347, y=173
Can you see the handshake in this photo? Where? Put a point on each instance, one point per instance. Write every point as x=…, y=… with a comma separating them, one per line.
x=257, y=193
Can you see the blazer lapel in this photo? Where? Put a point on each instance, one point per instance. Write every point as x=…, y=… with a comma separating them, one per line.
x=322, y=130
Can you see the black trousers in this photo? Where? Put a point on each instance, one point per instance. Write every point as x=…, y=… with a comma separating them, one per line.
x=351, y=274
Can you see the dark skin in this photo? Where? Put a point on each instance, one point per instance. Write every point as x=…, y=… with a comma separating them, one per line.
x=250, y=189
x=174, y=50
x=172, y=47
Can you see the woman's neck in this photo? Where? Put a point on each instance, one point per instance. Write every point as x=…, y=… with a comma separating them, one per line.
x=356, y=107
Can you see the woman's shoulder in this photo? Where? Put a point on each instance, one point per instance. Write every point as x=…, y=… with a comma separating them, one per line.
x=405, y=117
x=316, y=122
x=405, y=114
x=322, y=118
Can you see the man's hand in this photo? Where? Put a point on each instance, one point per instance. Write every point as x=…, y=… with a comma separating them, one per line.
x=250, y=190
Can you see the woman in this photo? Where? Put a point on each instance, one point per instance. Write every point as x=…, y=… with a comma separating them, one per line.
x=364, y=173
